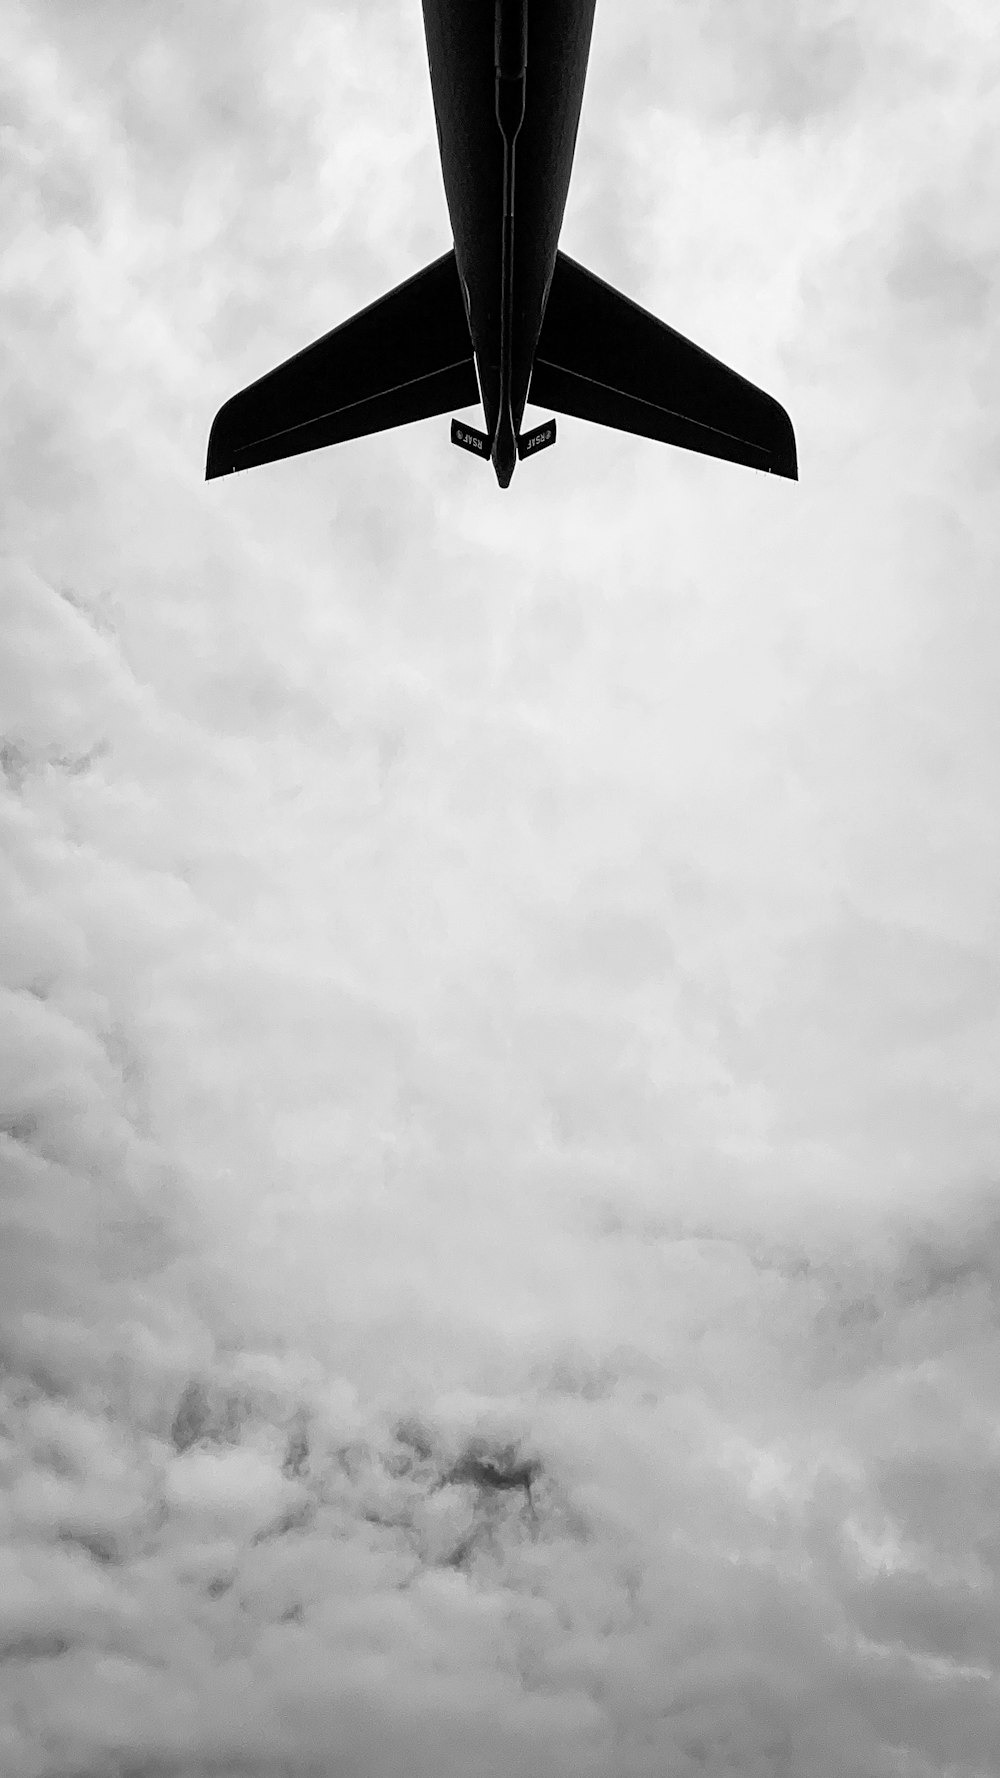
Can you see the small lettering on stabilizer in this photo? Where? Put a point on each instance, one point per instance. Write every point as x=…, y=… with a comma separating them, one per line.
x=473, y=441
x=530, y=442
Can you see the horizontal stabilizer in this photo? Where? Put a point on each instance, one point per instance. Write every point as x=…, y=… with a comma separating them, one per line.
x=530, y=442
x=404, y=358
x=600, y=357
x=470, y=439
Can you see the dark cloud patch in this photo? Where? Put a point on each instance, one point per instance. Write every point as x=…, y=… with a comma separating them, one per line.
x=788, y=68
x=41, y=1647
x=296, y=1459
x=774, y=66
x=947, y=1619
x=14, y=761
x=626, y=949
x=952, y=1265
x=102, y=1547
x=899, y=986
x=929, y=272
x=192, y=1419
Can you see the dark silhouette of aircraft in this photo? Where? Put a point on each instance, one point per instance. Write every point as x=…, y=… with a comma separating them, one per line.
x=504, y=317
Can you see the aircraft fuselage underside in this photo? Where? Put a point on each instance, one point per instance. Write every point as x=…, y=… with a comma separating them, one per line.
x=507, y=78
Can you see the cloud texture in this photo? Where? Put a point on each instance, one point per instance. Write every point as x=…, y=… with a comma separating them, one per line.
x=498, y=1038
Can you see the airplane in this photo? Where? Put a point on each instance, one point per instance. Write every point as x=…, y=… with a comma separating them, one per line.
x=505, y=317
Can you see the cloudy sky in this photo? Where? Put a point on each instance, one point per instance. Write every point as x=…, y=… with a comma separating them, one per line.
x=499, y=988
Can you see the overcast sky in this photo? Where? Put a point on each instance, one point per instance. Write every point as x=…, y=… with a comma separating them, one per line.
x=495, y=984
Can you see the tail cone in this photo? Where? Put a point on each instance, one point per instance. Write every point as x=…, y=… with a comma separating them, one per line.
x=504, y=452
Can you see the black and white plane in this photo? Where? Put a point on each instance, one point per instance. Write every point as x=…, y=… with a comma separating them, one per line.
x=504, y=318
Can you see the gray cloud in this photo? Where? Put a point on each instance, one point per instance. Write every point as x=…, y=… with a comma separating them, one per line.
x=952, y=285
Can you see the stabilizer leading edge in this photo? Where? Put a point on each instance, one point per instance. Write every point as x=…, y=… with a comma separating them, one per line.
x=600, y=357
x=406, y=357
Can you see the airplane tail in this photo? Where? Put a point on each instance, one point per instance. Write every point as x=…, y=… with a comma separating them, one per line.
x=406, y=357
x=600, y=357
